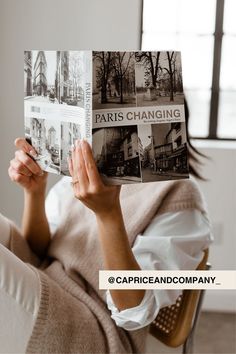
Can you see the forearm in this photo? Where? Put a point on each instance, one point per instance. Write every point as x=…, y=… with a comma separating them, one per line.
x=104, y=201
x=35, y=226
x=118, y=255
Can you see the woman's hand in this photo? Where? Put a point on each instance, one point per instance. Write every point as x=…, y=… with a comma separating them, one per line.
x=25, y=171
x=87, y=184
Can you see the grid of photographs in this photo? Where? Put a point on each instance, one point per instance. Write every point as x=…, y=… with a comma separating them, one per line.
x=53, y=87
x=143, y=153
x=137, y=84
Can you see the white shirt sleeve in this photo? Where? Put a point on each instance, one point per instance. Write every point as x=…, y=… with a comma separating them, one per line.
x=172, y=241
x=53, y=203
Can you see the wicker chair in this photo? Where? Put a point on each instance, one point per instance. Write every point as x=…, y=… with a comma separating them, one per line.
x=175, y=324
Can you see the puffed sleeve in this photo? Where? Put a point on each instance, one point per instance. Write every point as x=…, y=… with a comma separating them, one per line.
x=172, y=241
x=53, y=203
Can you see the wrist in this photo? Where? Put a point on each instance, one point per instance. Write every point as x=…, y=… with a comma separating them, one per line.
x=112, y=219
x=112, y=214
x=35, y=195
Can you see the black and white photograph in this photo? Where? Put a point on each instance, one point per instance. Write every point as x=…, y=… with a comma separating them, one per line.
x=163, y=151
x=54, y=77
x=113, y=80
x=70, y=132
x=44, y=136
x=116, y=152
x=158, y=78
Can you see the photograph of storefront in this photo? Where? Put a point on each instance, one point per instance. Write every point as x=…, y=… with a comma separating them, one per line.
x=116, y=152
x=164, y=151
x=44, y=136
x=172, y=156
x=54, y=77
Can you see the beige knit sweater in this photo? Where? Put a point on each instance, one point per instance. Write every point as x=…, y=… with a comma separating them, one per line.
x=73, y=316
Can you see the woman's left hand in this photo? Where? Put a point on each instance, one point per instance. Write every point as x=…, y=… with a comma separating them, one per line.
x=87, y=183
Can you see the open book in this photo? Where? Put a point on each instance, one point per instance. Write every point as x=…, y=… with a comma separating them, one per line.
x=128, y=105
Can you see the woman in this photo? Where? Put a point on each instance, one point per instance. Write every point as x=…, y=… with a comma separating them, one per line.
x=49, y=277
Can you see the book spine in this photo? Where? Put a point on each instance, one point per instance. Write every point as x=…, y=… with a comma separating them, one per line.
x=88, y=95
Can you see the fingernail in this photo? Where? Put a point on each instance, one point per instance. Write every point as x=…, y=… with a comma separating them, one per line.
x=77, y=143
x=33, y=153
x=72, y=148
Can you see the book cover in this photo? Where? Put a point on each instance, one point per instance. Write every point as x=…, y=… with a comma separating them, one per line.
x=128, y=105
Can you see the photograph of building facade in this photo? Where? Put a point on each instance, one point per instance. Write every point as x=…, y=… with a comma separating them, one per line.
x=62, y=76
x=40, y=84
x=69, y=78
x=164, y=151
x=113, y=79
x=44, y=137
x=158, y=78
x=116, y=152
x=54, y=77
x=70, y=132
x=28, y=74
x=35, y=131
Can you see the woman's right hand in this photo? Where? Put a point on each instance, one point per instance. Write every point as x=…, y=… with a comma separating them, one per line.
x=25, y=171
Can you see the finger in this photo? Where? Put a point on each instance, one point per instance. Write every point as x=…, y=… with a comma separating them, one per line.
x=17, y=177
x=22, y=144
x=28, y=162
x=90, y=164
x=74, y=175
x=20, y=168
x=79, y=166
x=70, y=166
x=73, y=159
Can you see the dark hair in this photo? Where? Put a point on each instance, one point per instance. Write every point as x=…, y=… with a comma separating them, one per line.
x=194, y=156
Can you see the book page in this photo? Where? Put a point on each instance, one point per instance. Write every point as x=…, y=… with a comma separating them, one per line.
x=54, y=105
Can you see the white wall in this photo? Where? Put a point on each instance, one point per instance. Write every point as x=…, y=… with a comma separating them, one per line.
x=220, y=192
x=97, y=24
x=53, y=24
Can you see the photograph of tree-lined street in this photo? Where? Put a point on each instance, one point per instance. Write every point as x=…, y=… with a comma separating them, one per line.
x=158, y=78
x=54, y=77
x=113, y=80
